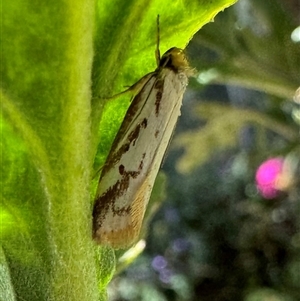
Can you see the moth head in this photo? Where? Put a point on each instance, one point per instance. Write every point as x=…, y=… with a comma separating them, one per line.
x=176, y=60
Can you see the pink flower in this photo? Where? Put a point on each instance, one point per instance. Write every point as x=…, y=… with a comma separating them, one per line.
x=267, y=176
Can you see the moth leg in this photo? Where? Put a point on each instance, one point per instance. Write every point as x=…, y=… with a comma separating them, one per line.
x=135, y=88
x=97, y=172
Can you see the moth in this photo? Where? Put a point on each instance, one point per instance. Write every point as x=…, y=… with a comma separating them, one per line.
x=138, y=149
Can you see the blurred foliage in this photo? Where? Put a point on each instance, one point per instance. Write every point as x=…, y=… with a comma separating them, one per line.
x=223, y=123
x=216, y=237
x=257, y=52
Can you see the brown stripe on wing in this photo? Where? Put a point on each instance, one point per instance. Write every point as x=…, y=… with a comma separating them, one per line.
x=126, y=236
x=114, y=157
x=107, y=201
x=132, y=114
x=159, y=86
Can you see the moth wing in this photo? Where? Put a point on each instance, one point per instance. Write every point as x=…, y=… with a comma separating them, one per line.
x=132, y=113
x=127, y=181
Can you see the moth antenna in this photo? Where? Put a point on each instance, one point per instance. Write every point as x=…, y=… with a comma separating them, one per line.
x=157, y=51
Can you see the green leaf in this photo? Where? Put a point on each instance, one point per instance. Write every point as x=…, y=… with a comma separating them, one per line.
x=58, y=60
